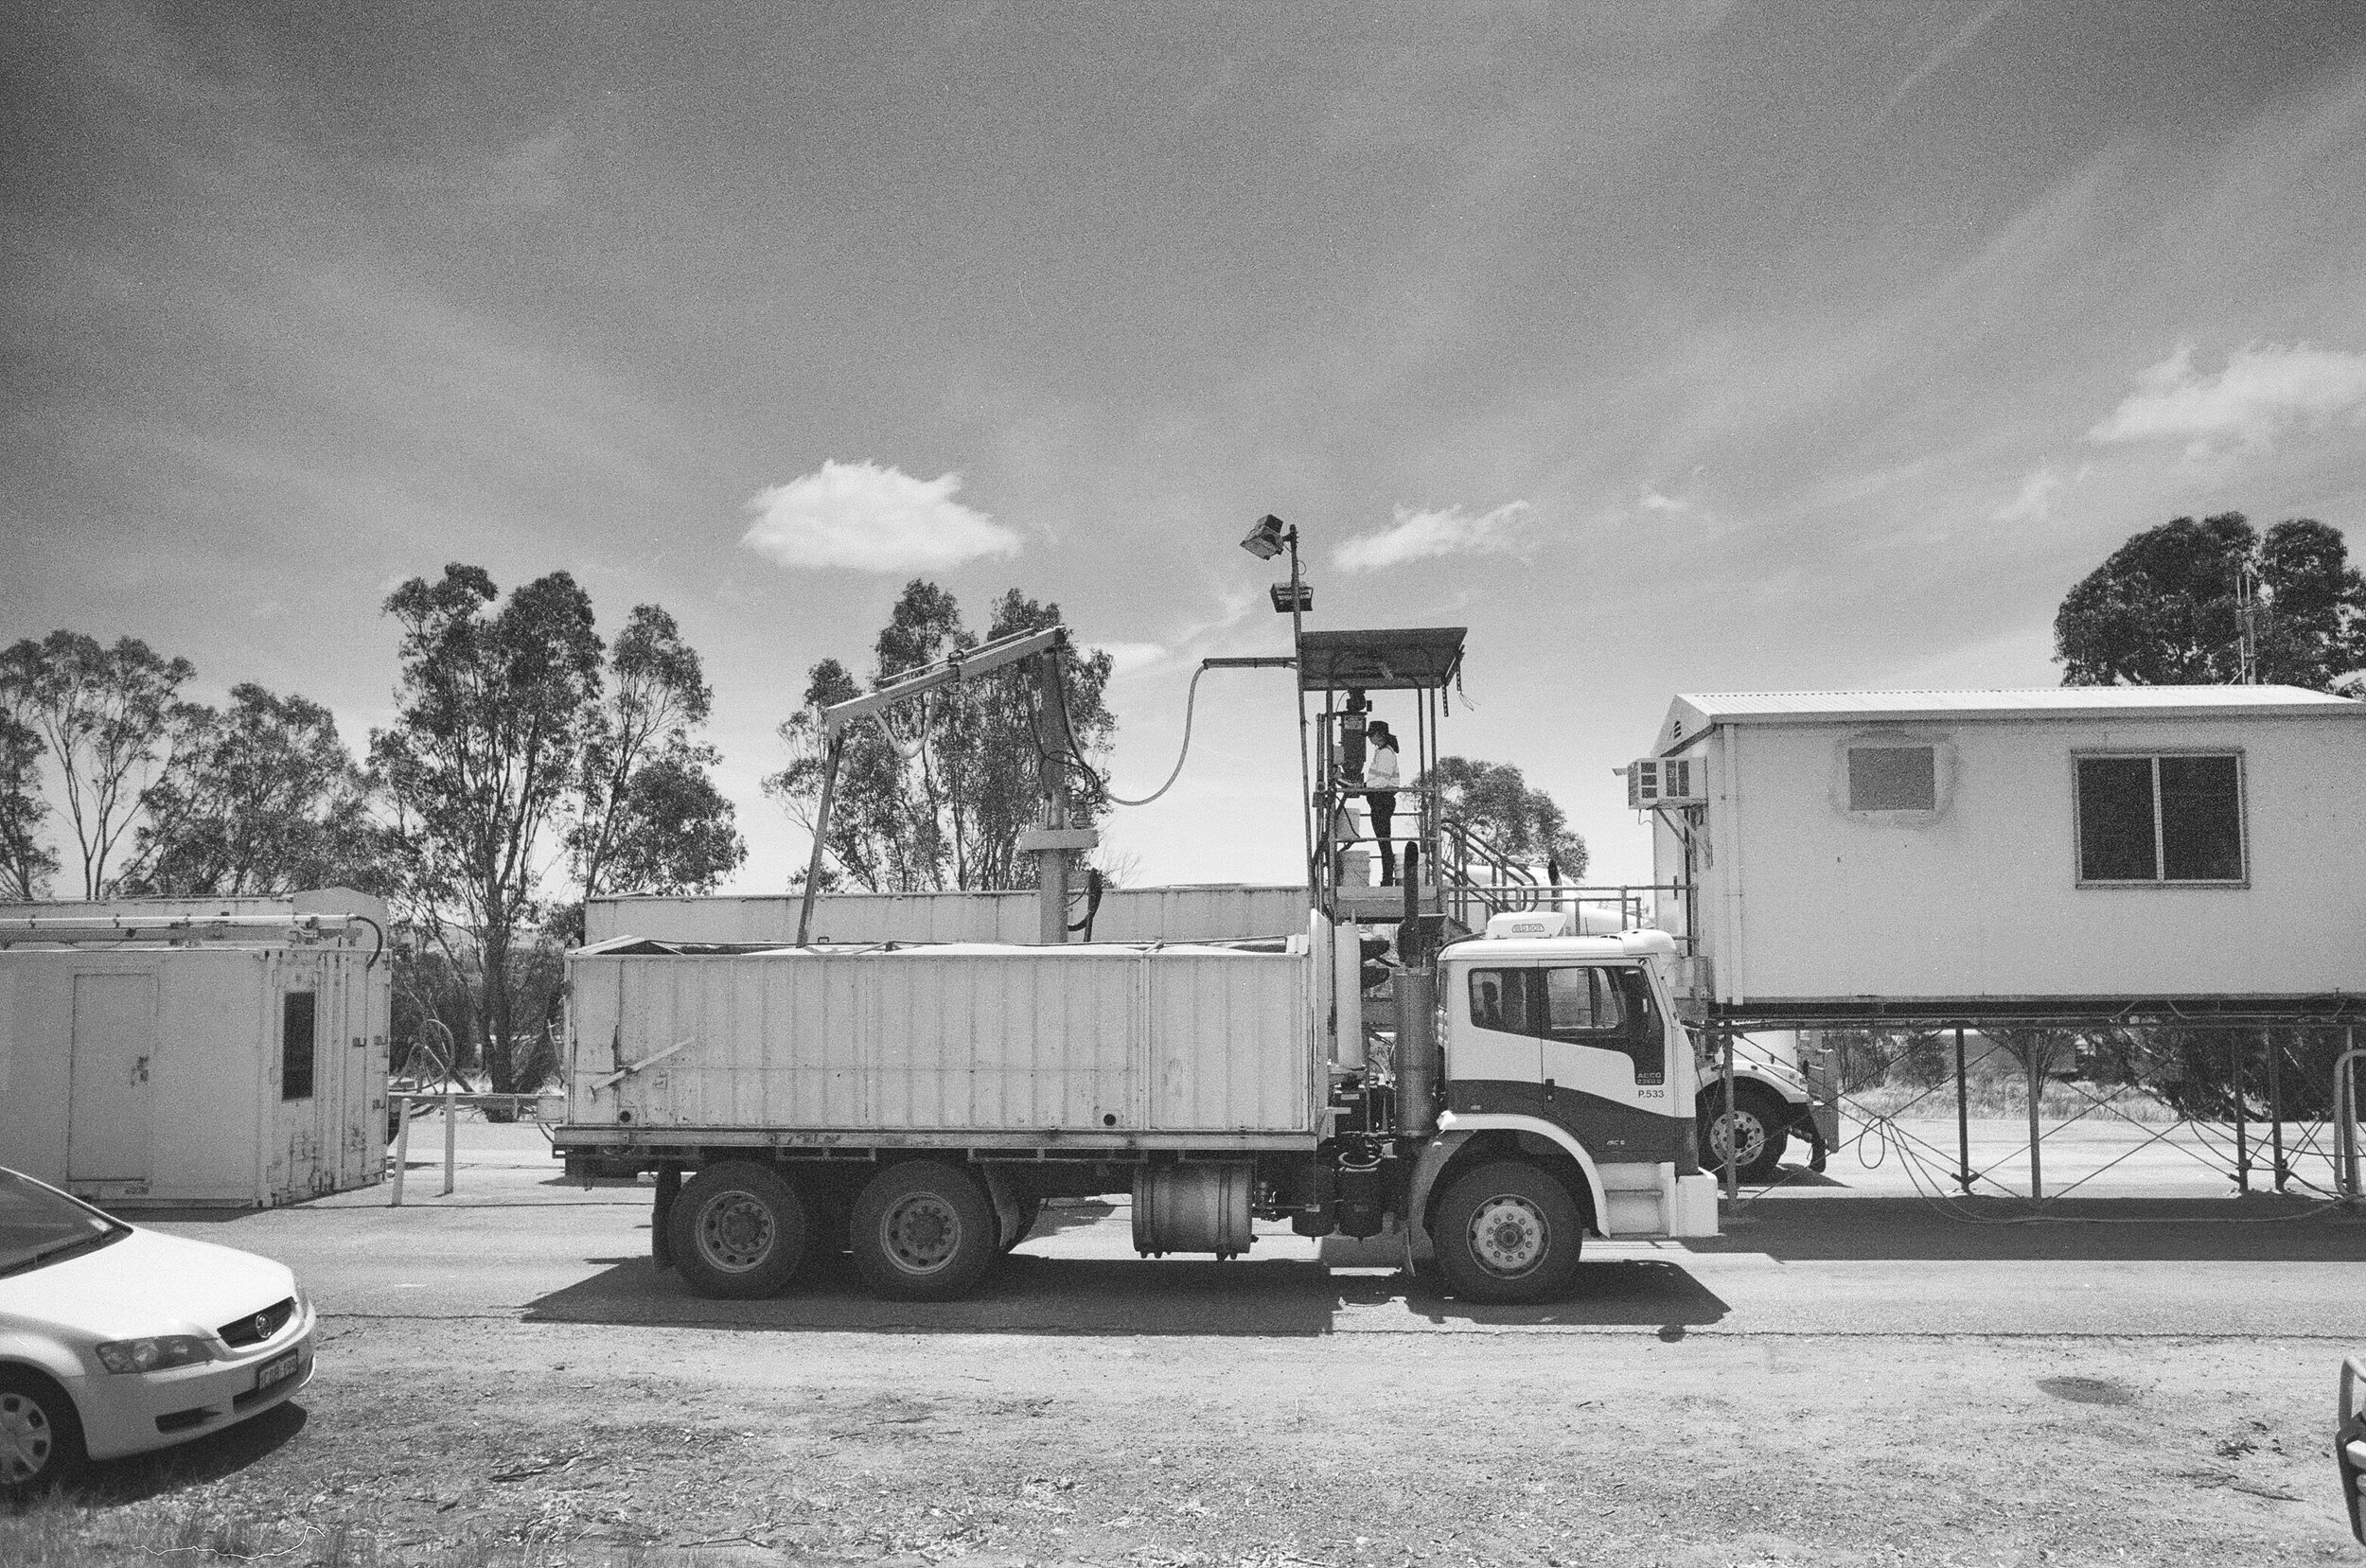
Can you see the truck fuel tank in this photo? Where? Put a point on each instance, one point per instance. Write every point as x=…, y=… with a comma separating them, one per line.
x=1193, y=1209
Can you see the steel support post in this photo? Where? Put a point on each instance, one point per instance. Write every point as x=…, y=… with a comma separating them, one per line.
x=2345, y=1107
x=402, y=1141
x=1963, y=1119
x=2275, y=1105
x=2242, y=1131
x=2037, y=1087
x=1733, y=1164
x=452, y=1133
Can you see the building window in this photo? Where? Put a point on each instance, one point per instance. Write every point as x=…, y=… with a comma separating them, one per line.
x=295, y=1046
x=1893, y=778
x=2160, y=819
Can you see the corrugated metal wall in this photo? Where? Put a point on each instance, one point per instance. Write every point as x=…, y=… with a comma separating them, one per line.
x=1079, y=1039
x=1213, y=912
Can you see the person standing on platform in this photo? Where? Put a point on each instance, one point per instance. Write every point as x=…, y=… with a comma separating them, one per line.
x=1380, y=781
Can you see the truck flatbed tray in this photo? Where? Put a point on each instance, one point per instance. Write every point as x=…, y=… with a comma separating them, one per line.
x=860, y=1142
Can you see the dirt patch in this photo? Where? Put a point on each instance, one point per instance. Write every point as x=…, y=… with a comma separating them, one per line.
x=578, y=1445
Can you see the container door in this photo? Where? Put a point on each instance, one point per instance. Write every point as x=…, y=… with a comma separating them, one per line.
x=109, y=1108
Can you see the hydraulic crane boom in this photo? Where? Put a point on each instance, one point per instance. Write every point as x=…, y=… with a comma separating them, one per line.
x=1054, y=841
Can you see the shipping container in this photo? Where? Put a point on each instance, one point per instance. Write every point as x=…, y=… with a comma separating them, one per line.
x=1209, y=912
x=1110, y=1044
x=1857, y=849
x=195, y=1053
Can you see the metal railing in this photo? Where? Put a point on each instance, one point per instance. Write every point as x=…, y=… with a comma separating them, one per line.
x=409, y=1106
x=2345, y=1113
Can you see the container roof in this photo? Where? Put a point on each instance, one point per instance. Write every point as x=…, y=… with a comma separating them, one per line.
x=1399, y=659
x=1693, y=714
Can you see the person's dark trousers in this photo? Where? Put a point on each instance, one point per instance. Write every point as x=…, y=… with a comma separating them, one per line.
x=1383, y=806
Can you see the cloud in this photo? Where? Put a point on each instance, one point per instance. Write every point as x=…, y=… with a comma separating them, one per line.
x=1654, y=501
x=1126, y=657
x=1940, y=56
x=1417, y=535
x=2034, y=501
x=2264, y=390
x=870, y=518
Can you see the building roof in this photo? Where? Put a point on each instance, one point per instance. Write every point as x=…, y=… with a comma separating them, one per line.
x=1693, y=714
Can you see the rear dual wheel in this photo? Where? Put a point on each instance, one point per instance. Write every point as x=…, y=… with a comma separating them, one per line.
x=738, y=1231
x=923, y=1231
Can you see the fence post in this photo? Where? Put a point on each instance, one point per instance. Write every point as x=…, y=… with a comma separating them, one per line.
x=1963, y=1119
x=402, y=1142
x=2242, y=1139
x=2036, y=1080
x=452, y=1124
x=2345, y=1106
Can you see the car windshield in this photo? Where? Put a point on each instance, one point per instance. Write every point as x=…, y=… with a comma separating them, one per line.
x=39, y=1225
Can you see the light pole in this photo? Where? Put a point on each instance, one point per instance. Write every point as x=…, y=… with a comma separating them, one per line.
x=1269, y=538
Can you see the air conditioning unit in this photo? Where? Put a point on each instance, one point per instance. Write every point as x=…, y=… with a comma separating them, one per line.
x=1666, y=781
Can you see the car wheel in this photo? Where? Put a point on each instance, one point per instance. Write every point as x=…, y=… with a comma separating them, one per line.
x=41, y=1436
x=1757, y=1135
x=923, y=1231
x=738, y=1231
x=1507, y=1231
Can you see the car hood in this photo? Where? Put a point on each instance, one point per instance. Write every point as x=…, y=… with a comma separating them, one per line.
x=146, y=1283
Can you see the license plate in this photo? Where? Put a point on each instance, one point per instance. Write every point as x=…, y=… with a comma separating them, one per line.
x=285, y=1365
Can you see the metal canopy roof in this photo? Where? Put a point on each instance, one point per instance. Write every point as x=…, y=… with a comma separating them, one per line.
x=1400, y=658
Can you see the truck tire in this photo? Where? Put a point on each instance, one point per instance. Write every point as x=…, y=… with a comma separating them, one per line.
x=1507, y=1231
x=41, y=1434
x=1759, y=1131
x=738, y=1231
x=923, y=1231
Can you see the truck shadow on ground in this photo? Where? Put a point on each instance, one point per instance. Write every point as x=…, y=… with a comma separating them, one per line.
x=2259, y=1229
x=112, y=1482
x=1030, y=1294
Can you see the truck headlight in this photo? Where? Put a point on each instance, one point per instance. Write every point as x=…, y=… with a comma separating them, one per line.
x=153, y=1355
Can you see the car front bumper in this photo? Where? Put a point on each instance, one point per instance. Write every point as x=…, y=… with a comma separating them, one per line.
x=134, y=1412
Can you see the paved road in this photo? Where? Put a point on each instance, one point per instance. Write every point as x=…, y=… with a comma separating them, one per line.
x=516, y=1242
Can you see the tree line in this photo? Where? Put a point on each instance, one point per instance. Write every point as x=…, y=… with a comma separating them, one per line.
x=531, y=766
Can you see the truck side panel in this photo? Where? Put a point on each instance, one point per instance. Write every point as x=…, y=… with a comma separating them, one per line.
x=1099, y=1039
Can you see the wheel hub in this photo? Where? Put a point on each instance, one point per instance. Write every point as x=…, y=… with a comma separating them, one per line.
x=923, y=1233
x=25, y=1439
x=1742, y=1128
x=735, y=1232
x=1509, y=1235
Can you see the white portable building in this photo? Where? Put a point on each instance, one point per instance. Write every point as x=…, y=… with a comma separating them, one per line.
x=2070, y=843
x=1206, y=912
x=165, y=1053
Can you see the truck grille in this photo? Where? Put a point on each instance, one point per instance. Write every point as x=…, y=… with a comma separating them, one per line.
x=260, y=1327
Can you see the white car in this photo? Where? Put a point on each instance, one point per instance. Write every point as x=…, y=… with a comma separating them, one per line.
x=115, y=1339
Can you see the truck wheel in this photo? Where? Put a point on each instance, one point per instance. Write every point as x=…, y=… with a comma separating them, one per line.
x=1507, y=1231
x=1030, y=1209
x=738, y=1231
x=1758, y=1137
x=41, y=1436
x=923, y=1231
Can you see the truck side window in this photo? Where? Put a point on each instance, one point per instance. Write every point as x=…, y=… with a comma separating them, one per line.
x=1504, y=1000
x=1609, y=1008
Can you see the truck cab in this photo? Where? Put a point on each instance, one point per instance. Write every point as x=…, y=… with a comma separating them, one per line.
x=1564, y=1053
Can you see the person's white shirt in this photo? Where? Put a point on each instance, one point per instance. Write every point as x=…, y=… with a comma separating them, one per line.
x=1380, y=766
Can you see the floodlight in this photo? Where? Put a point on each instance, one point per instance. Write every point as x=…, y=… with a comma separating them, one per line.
x=1264, y=542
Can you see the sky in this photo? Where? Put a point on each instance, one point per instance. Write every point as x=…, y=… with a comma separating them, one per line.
x=1667, y=348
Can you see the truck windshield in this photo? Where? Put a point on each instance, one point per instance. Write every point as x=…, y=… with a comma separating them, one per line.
x=39, y=1225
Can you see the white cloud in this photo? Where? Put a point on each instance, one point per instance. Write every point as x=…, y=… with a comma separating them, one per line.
x=2035, y=500
x=870, y=518
x=1654, y=501
x=1126, y=657
x=2264, y=390
x=1417, y=535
